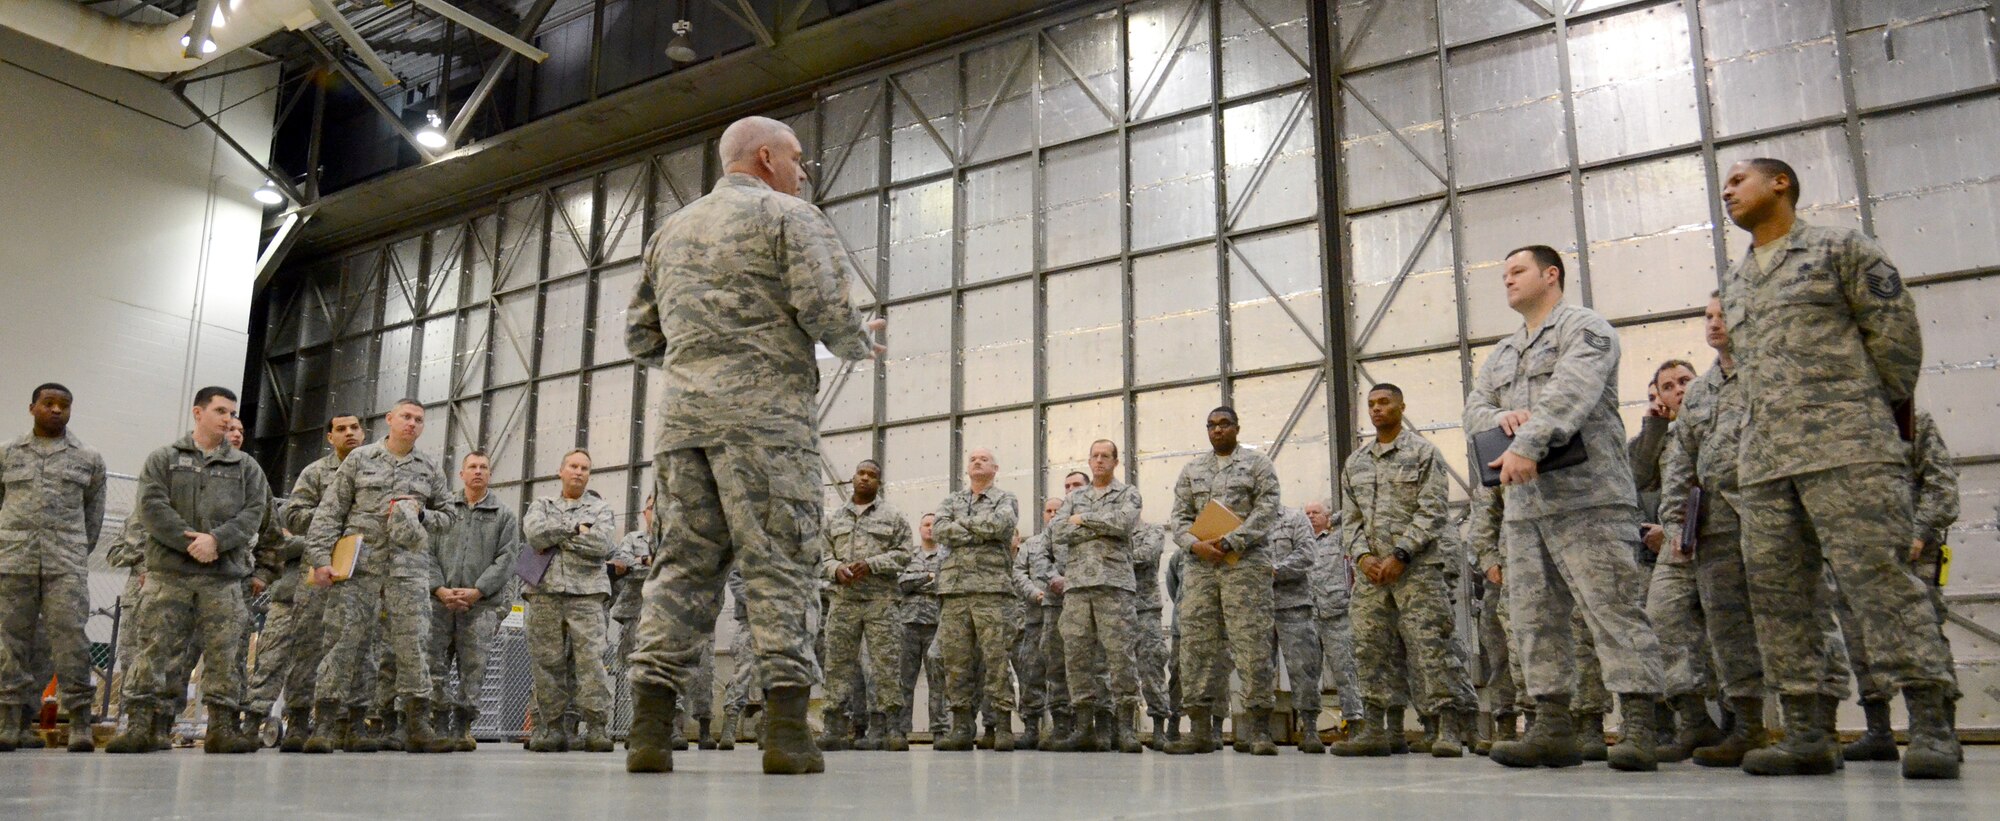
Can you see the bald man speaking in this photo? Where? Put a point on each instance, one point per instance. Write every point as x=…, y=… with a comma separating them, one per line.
x=738, y=287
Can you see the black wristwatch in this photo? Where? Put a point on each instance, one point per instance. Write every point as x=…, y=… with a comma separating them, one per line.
x=1402, y=555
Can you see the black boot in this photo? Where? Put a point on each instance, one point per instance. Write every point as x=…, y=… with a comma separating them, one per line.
x=1200, y=737
x=1638, y=737
x=362, y=738
x=1696, y=729
x=871, y=736
x=1162, y=727
x=1549, y=742
x=1399, y=741
x=1879, y=742
x=705, y=738
x=391, y=733
x=1934, y=748
x=649, y=746
x=1173, y=729
x=247, y=740
x=788, y=744
x=1808, y=747
x=1746, y=733
x=1062, y=737
x=1107, y=731
x=1589, y=726
x=1031, y=732
x=959, y=738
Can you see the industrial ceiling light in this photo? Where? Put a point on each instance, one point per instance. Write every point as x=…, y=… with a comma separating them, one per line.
x=219, y=20
x=268, y=194
x=431, y=136
x=681, y=48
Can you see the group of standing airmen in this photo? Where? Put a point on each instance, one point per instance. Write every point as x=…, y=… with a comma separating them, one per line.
x=1801, y=572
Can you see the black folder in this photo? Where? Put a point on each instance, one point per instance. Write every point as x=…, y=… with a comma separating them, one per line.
x=1488, y=445
x=1690, y=521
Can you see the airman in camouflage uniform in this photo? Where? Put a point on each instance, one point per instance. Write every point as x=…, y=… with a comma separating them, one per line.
x=744, y=689
x=1392, y=514
x=976, y=527
x=1226, y=598
x=565, y=610
x=1038, y=671
x=1673, y=600
x=918, y=612
x=1570, y=534
x=1332, y=581
x=1096, y=525
x=200, y=502
x=1149, y=635
x=867, y=543
x=1499, y=663
x=1830, y=348
x=738, y=286
x=1297, y=633
x=472, y=572
x=297, y=675
x=396, y=502
x=52, y=491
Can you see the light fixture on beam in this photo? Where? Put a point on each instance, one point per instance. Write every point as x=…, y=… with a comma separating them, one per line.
x=431, y=136
x=268, y=194
x=207, y=46
x=681, y=48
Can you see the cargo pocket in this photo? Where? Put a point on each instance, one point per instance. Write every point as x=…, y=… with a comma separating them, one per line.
x=792, y=509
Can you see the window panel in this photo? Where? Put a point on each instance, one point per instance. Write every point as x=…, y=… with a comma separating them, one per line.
x=1264, y=44
x=853, y=401
x=616, y=488
x=925, y=107
x=353, y=361
x=562, y=324
x=1011, y=437
x=1477, y=19
x=1169, y=57
x=999, y=221
x=997, y=362
x=1283, y=265
x=999, y=112
x=1071, y=429
x=469, y=353
x=919, y=467
x=571, y=226
x=447, y=270
x=1399, y=29
x=1770, y=62
x=1264, y=404
x=1174, y=333
x=856, y=221
x=360, y=293
x=625, y=211
x=1423, y=309
x=434, y=366
x=1910, y=61
x=851, y=140
x=1173, y=182
x=919, y=366
x=1935, y=190
x=1958, y=388
x=1507, y=104
x=920, y=238
x=1652, y=247
x=1085, y=343
x=483, y=260
x=402, y=280
x=1499, y=221
x=1170, y=434
x=610, y=425
x=1081, y=213
x=522, y=235
x=556, y=422
x=507, y=434
x=615, y=289
x=1377, y=166
x=1269, y=161
x=679, y=178
x=1634, y=83
x=1074, y=106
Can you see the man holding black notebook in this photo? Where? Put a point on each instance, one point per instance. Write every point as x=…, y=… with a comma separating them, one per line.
x=1570, y=534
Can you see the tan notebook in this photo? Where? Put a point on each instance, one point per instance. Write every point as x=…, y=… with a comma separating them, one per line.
x=1215, y=522
x=346, y=554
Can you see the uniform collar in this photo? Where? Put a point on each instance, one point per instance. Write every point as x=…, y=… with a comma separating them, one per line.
x=487, y=502
x=861, y=510
x=738, y=179
x=64, y=442
x=1523, y=340
x=1394, y=444
x=223, y=452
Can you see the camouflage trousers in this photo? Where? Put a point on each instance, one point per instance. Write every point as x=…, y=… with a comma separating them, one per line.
x=566, y=645
x=1336, y=642
x=1297, y=640
x=357, y=607
x=55, y=606
x=1149, y=648
x=919, y=642
x=744, y=687
x=175, y=610
x=460, y=642
x=1415, y=609
x=288, y=652
x=848, y=621
x=1856, y=520
x=978, y=628
x=1050, y=664
x=1096, y=630
x=753, y=506
x=1587, y=693
x=1673, y=604
x=1500, y=665
x=1725, y=604
x=1036, y=673
x=1226, y=611
x=1874, y=681
x=1580, y=561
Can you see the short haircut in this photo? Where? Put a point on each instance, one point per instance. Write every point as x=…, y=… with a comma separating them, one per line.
x=1774, y=168
x=357, y=419
x=1114, y=446
x=878, y=465
x=1228, y=410
x=406, y=401
x=479, y=452
x=1386, y=386
x=1086, y=476
x=1715, y=294
x=575, y=451
x=206, y=395
x=1546, y=258
x=48, y=386
x=931, y=515
x=742, y=138
x=1670, y=365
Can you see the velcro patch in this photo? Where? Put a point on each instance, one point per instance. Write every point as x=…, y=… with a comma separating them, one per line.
x=1884, y=282
x=1596, y=340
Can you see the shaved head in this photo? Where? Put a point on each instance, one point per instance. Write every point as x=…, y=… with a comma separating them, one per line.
x=742, y=138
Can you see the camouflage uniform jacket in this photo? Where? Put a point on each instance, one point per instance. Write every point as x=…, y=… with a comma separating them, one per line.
x=1148, y=545
x=876, y=534
x=738, y=286
x=1099, y=549
x=1393, y=497
x=1936, y=484
x=918, y=581
x=1826, y=343
x=556, y=523
x=222, y=493
x=1702, y=452
x=277, y=554
x=307, y=492
x=1245, y=483
x=479, y=550
x=1024, y=570
x=977, y=531
x=628, y=591
x=1292, y=560
x=1332, y=578
x=1485, y=514
x=357, y=499
x=1562, y=374
x=51, y=505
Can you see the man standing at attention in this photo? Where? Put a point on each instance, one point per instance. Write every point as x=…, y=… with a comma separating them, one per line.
x=739, y=285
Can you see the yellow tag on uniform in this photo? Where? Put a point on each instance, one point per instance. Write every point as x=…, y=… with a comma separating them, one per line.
x=1944, y=564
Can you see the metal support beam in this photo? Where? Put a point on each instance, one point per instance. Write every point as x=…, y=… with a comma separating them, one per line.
x=747, y=17
x=484, y=91
x=485, y=29
x=180, y=93
x=332, y=17
x=280, y=245
x=373, y=101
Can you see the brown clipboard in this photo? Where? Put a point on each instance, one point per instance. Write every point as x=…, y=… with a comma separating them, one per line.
x=347, y=555
x=1214, y=522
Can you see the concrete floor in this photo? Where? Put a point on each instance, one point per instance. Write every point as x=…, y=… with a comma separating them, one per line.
x=506, y=782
